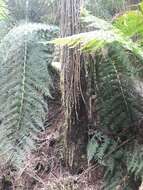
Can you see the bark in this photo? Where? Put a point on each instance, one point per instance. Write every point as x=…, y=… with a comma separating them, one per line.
x=74, y=87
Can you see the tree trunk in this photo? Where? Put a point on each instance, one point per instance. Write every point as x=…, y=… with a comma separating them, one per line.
x=74, y=88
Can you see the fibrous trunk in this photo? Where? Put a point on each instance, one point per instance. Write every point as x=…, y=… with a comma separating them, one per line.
x=74, y=87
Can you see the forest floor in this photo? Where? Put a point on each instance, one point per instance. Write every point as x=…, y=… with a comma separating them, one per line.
x=45, y=168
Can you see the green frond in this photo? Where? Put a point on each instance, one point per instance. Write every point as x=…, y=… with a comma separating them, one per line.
x=118, y=108
x=3, y=10
x=134, y=160
x=118, y=103
x=97, y=147
x=130, y=23
x=25, y=78
x=105, y=34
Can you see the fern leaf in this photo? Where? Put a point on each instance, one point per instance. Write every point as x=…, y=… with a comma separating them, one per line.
x=99, y=38
x=130, y=23
x=24, y=80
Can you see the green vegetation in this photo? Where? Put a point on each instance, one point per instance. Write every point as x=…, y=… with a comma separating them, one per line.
x=114, y=78
x=101, y=77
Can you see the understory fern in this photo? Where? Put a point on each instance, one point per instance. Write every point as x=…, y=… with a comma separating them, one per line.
x=119, y=108
x=118, y=103
x=25, y=80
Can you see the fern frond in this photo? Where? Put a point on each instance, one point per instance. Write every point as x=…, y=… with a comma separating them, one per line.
x=25, y=79
x=130, y=23
x=97, y=147
x=118, y=103
x=118, y=107
x=104, y=34
x=134, y=161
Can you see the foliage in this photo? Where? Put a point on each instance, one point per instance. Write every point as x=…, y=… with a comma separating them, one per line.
x=105, y=9
x=113, y=81
x=25, y=80
x=14, y=12
x=3, y=11
x=4, y=23
x=134, y=159
x=124, y=26
x=25, y=72
x=34, y=10
x=118, y=103
x=130, y=23
x=119, y=108
x=105, y=33
x=97, y=147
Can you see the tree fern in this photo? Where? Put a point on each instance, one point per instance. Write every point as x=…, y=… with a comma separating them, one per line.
x=118, y=101
x=25, y=79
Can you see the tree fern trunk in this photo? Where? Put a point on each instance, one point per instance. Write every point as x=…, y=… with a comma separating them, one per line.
x=73, y=84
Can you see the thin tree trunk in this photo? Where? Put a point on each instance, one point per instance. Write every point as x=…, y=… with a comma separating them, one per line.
x=74, y=87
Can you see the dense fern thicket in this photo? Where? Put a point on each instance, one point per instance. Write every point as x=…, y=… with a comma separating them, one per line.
x=25, y=80
x=114, y=95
